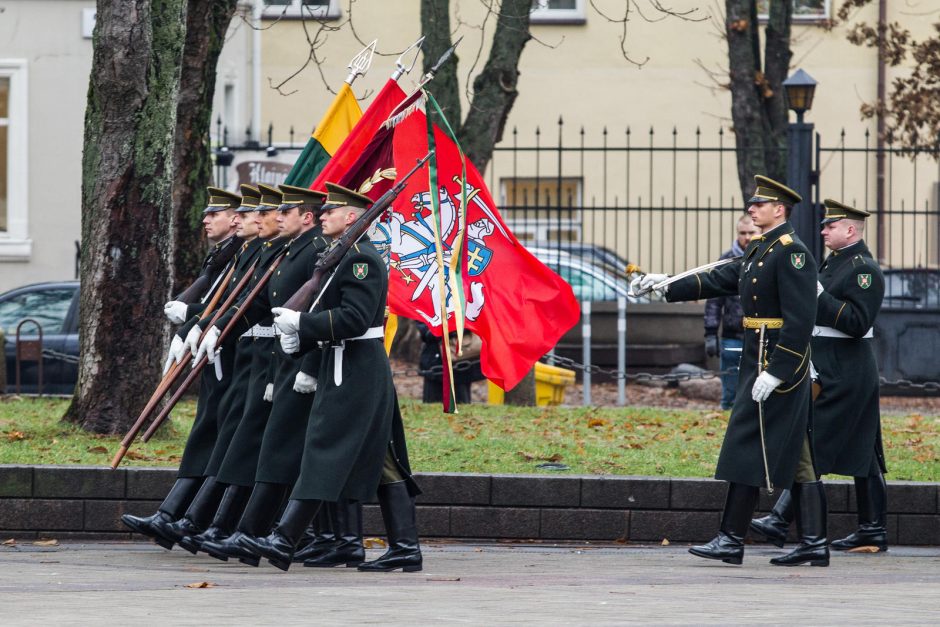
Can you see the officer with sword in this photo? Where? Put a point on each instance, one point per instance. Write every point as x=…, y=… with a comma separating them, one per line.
x=767, y=442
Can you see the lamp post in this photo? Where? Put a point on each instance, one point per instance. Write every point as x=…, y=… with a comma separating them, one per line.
x=800, y=89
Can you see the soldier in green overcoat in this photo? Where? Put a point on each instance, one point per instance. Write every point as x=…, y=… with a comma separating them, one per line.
x=349, y=452
x=767, y=441
x=846, y=412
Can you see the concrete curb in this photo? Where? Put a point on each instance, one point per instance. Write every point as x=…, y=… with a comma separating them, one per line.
x=79, y=502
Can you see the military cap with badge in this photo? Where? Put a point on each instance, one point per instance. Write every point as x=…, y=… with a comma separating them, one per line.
x=221, y=200
x=293, y=196
x=836, y=211
x=769, y=190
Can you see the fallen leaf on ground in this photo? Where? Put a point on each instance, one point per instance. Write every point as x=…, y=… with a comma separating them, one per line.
x=97, y=449
x=374, y=543
x=665, y=542
x=526, y=456
x=554, y=457
x=200, y=584
x=15, y=436
x=441, y=578
x=46, y=543
x=621, y=540
x=136, y=455
x=596, y=422
x=8, y=542
x=864, y=549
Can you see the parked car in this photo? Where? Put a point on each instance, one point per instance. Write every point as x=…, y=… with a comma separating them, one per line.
x=589, y=281
x=54, y=306
x=912, y=288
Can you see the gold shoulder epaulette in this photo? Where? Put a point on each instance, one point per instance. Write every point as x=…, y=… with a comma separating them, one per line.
x=356, y=246
x=785, y=239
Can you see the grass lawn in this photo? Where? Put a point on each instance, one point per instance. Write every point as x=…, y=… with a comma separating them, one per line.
x=483, y=439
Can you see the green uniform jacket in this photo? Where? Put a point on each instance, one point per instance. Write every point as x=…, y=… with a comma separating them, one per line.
x=277, y=442
x=250, y=374
x=776, y=278
x=846, y=414
x=351, y=423
x=210, y=407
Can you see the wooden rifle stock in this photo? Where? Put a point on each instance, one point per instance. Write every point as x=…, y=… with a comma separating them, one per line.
x=197, y=368
x=173, y=374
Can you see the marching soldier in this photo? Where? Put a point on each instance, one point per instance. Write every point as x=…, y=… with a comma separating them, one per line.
x=349, y=450
x=846, y=414
x=267, y=450
x=219, y=224
x=767, y=439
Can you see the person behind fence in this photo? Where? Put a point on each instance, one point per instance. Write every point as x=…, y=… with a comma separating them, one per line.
x=846, y=411
x=466, y=366
x=725, y=312
x=767, y=440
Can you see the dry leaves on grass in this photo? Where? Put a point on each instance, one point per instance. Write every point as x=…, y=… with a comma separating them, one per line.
x=554, y=457
x=201, y=584
x=46, y=543
x=14, y=436
x=97, y=449
x=374, y=543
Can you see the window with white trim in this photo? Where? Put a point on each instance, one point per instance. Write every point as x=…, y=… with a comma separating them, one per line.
x=557, y=12
x=312, y=9
x=803, y=10
x=14, y=232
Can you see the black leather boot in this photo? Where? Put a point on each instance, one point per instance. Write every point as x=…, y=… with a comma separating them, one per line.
x=173, y=506
x=398, y=512
x=871, y=496
x=774, y=526
x=728, y=545
x=320, y=536
x=348, y=549
x=259, y=515
x=279, y=545
x=197, y=516
x=810, y=502
x=223, y=523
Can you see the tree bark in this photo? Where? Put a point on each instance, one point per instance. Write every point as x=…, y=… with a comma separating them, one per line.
x=206, y=24
x=435, y=26
x=127, y=215
x=758, y=106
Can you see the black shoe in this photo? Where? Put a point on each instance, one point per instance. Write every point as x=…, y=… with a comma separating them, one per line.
x=775, y=525
x=193, y=544
x=810, y=503
x=177, y=530
x=173, y=507
x=347, y=550
x=728, y=545
x=871, y=495
x=398, y=512
x=144, y=525
x=320, y=536
x=230, y=547
x=279, y=546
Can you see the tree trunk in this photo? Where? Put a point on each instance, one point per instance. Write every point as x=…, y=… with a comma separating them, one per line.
x=494, y=89
x=435, y=26
x=524, y=392
x=758, y=107
x=206, y=24
x=127, y=216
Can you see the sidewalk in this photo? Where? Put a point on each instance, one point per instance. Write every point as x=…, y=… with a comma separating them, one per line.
x=141, y=584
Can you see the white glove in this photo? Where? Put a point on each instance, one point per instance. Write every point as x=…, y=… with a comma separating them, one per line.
x=208, y=345
x=819, y=288
x=268, y=396
x=287, y=320
x=175, y=311
x=304, y=383
x=191, y=343
x=647, y=281
x=765, y=384
x=290, y=343
x=177, y=352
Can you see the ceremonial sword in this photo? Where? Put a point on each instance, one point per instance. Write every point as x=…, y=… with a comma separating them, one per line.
x=682, y=275
x=760, y=409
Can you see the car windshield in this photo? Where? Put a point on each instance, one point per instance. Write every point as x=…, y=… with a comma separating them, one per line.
x=48, y=306
x=915, y=288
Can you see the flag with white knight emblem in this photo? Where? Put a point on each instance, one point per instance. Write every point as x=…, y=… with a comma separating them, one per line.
x=864, y=281
x=798, y=260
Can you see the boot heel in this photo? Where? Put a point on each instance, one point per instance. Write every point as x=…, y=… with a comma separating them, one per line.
x=737, y=561
x=819, y=563
x=411, y=569
x=250, y=561
x=352, y=564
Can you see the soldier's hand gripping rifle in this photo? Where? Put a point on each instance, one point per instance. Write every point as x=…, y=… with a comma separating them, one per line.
x=197, y=368
x=301, y=299
x=215, y=267
x=174, y=373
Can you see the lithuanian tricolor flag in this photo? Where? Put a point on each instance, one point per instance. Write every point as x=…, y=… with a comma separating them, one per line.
x=339, y=119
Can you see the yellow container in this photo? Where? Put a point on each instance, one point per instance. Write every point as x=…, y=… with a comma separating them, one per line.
x=550, y=383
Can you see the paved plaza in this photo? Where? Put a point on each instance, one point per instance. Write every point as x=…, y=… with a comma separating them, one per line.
x=463, y=583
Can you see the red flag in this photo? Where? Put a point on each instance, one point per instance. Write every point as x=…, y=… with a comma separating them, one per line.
x=517, y=305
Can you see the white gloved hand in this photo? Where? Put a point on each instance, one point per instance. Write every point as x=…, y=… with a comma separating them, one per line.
x=286, y=320
x=175, y=311
x=191, y=343
x=177, y=352
x=268, y=396
x=647, y=281
x=290, y=343
x=765, y=384
x=208, y=345
x=304, y=383
x=819, y=288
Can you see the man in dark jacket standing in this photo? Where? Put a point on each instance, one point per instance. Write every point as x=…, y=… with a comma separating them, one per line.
x=767, y=441
x=725, y=312
x=846, y=413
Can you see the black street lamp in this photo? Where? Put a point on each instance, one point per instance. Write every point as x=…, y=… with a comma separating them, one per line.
x=800, y=89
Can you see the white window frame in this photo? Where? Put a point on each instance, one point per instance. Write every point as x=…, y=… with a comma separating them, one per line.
x=827, y=15
x=295, y=10
x=544, y=15
x=15, y=244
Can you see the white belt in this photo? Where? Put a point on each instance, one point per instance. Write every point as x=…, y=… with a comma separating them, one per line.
x=259, y=331
x=371, y=334
x=830, y=332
